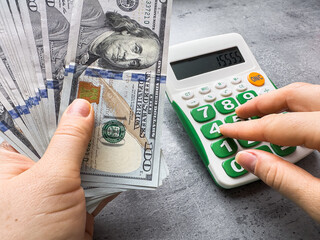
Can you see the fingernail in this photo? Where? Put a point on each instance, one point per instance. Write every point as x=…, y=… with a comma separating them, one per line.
x=79, y=108
x=247, y=160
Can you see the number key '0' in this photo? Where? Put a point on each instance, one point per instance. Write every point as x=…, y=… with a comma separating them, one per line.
x=233, y=169
x=226, y=105
x=203, y=113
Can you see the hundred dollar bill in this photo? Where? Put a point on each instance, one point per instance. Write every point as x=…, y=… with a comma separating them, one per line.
x=71, y=55
x=164, y=172
x=93, y=202
x=18, y=98
x=8, y=105
x=120, y=68
x=57, y=26
x=35, y=56
x=13, y=135
x=33, y=78
x=33, y=12
x=12, y=46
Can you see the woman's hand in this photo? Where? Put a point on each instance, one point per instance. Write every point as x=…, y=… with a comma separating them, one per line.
x=44, y=200
x=300, y=126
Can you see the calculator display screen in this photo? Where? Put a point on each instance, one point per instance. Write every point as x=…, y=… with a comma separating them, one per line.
x=206, y=63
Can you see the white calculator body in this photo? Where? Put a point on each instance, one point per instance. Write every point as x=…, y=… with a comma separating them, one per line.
x=207, y=79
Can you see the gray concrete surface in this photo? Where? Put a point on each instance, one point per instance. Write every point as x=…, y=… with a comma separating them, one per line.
x=285, y=38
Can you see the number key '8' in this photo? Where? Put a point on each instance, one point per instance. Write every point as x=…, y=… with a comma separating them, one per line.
x=226, y=105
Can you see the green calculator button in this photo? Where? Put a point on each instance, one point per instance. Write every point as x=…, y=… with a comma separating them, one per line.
x=233, y=169
x=264, y=148
x=203, y=113
x=233, y=118
x=254, y=117
x=226, y=105
x=282, y=150
x=224, y=147
x=211, y=130
x=246, y=96
x=247, y=144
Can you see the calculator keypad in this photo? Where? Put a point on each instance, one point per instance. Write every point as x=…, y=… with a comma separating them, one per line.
x=229, y=94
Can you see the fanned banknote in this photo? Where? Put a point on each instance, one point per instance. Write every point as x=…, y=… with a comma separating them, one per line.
x=112, y=53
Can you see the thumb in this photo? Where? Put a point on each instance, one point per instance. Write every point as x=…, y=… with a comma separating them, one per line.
x=69, y=143
x=287, y=178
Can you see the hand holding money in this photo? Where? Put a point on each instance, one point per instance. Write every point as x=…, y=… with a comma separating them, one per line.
x=111, y=53
x=44, y=200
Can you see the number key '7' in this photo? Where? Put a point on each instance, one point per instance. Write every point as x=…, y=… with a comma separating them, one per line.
x=203, y=113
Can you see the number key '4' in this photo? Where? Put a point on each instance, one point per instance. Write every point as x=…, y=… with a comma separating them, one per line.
x=211, y=130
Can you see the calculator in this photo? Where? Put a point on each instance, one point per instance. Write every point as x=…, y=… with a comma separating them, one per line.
x=207, y=79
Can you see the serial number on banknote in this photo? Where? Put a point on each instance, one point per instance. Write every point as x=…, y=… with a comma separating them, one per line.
x=147, y=12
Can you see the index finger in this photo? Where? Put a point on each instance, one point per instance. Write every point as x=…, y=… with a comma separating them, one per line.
x=296, y=97
x=290, y=129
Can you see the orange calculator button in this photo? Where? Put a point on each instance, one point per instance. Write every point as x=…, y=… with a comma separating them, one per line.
x=256, y=79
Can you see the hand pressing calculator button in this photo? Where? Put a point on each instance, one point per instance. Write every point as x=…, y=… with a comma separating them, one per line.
x=216, y=75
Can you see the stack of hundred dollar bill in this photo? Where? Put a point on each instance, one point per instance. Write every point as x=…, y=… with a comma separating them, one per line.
x=112, y=53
